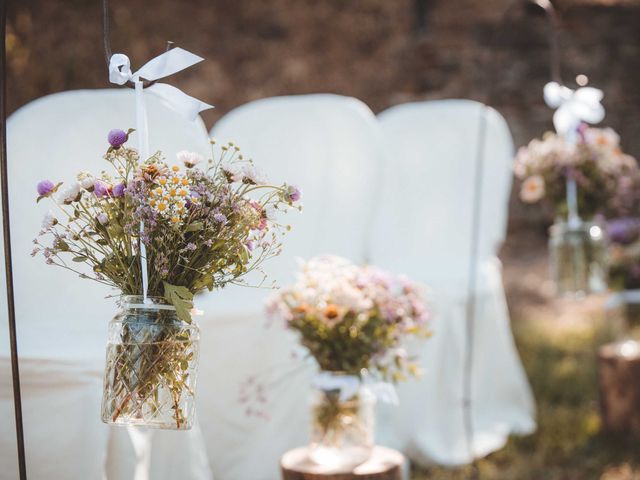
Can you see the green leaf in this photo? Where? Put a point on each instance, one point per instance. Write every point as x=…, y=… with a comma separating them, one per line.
x=181, y=298
x=194, y=227
x=80, y=259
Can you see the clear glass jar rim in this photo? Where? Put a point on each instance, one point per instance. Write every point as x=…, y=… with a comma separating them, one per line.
x=565, y=227
x=151, y=303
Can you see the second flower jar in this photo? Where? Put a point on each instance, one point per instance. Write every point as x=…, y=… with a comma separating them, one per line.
x=578, y=258
x=150, y=371
x=342, y=421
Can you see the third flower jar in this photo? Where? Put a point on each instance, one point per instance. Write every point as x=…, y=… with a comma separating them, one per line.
x=342, y=421
x=150, y=369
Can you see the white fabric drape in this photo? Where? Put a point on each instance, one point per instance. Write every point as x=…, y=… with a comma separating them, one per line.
x=426, y=232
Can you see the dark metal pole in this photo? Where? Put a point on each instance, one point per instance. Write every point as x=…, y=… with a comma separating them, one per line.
x=11, y=311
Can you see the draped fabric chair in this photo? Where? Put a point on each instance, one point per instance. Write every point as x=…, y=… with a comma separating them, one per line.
x=62, y=319
x=329, y=146
x=424, y=228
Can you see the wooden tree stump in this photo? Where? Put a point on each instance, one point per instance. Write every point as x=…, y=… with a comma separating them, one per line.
x=619, y=382
x=384, y=464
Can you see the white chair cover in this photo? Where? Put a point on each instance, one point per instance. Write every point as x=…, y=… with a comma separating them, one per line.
x=62, y=319
x=329, y=146
x=423, y=228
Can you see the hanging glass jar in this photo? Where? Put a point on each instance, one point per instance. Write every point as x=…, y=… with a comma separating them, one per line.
x=151, y=361
x=578, y=258
x=342, y=421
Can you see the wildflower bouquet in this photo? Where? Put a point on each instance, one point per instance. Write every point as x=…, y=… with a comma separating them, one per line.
x=159, y=234
x=352, y=320
x=597, y=164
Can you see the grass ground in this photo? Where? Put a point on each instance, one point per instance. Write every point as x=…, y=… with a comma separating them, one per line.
x=557, y=341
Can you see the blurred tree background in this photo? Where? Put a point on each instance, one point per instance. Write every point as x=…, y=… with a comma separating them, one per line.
x=379, y=51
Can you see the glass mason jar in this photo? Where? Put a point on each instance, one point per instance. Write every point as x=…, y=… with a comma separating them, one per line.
x=578, y=258
x=150, y=371
x=342, y=421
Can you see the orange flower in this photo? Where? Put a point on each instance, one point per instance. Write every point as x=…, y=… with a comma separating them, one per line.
x=331, y=311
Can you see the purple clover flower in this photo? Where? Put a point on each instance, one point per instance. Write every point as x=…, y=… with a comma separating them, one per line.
x=119, y=190
x=250, y=244
x=101, y=189
x=117, y=137
x=45, y=187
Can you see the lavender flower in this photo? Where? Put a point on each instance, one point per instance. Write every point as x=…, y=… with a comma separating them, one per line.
x=103, y=218
x=101, y=189
x=45, y=187
x=623, y=230
x=293, y=193
x=118, y=190
x=117, y=138
x=220, y=217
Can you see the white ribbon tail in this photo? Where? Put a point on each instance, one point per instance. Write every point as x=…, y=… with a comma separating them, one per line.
x=141, y=439
x=565, y=123
x=384, y=392
x=186, y=105
x=348, y=385
x=170, y=62
x=572, y=204
x=143, y=146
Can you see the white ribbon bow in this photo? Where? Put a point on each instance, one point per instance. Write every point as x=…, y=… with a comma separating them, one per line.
x=348, y=385
x=170, y=62
x=573, y=107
